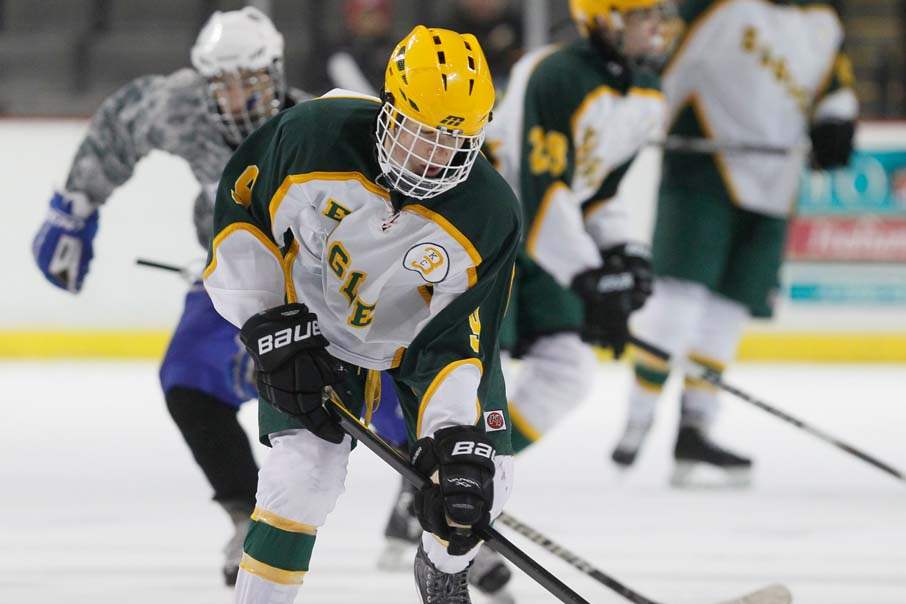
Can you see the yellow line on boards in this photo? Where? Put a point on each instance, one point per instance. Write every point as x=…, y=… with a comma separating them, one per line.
x=114, y=344
x=846, y=347
x=814, y=347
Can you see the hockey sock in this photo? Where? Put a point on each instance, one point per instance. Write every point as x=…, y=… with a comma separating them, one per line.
x=278, y=549
x=699, y=399
x=651, y=374
x=218, y=443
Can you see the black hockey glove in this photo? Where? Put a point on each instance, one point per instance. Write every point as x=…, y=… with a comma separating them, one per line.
x=459, y=461
x=612, y=292
x=293, y=366
x=832, y=143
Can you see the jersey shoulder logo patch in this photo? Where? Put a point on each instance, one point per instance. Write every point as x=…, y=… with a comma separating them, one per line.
x=494, y=421
x=430, y=260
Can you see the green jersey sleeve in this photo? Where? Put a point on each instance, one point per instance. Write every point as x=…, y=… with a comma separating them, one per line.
x=452, y=366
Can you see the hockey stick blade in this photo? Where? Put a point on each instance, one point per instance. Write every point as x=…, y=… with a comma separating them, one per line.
x=773, y=594
x=708, y=375
x=497, y=542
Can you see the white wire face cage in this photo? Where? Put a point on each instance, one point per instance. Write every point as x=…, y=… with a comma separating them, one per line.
x=420, y=161
x=241, y=101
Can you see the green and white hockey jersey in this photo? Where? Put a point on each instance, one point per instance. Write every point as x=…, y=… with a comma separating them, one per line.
x=396, y=283
x=565, y=134
x=753, y=72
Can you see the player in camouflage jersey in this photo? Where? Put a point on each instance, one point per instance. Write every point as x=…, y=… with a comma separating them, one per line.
x=200, y=115
x=573, y=119
x=752, y=72
x=357, y=235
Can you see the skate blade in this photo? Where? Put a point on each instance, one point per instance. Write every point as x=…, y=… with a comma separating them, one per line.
x=396, y=556
x=774, y=594
x=698, y=475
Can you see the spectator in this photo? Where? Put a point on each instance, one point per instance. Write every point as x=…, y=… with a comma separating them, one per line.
x=361, y=56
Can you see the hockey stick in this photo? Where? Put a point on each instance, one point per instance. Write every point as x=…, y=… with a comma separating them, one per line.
x=500, y=544
x=185, y=271
x=160, y=265
x=712, y=377
x=775, y=594
x=687, y=144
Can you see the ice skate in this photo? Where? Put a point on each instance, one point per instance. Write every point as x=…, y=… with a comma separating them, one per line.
x=490, y=575
x=702, y=463
x=627, y=449
x=437, y=587
x=232, y=551
x=402, y=532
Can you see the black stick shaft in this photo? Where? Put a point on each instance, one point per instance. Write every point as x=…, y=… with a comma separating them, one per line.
x=160, y=265
x=707, y=146
x=494, y=540
x=573, y=560
x=714, y=378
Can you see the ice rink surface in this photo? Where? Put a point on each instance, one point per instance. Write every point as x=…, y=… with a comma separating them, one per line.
x=101, y=502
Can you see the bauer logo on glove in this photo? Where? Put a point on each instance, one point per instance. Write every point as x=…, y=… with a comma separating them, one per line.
x=293, y=365
x=287, y=336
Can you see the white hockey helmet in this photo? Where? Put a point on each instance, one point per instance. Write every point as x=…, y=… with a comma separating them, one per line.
x=240, y=54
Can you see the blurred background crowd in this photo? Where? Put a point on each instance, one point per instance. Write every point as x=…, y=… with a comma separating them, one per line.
x=62, y=57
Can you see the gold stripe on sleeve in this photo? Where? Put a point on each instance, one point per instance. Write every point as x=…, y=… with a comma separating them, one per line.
x=436, y=383
x=241, y=226
x=532, y=240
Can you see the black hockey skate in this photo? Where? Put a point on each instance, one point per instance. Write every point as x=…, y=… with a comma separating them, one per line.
x=239, y=513
x=402, y=532
x=694, y=452
x=627, y=449
x=437, y=587
x=489, y=574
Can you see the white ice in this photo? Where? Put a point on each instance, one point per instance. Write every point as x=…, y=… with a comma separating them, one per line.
x=101, y=502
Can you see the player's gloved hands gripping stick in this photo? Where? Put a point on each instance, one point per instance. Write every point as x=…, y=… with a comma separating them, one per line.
x=63, y=246
x=459, y=463
x=293, y=365
x=612, y=292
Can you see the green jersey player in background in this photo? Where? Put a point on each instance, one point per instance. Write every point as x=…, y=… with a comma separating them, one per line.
x=750, y=72
x=573, y=119
x=356, y=235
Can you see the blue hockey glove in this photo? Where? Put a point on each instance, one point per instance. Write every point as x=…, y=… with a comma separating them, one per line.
x=63, y=246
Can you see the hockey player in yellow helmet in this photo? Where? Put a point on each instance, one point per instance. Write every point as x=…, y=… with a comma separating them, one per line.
x=640, y=30
x=574, y=118
x=437, y=100
x=376, y=229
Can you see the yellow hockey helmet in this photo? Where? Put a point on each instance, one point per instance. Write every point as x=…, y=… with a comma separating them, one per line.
x=441, y=79
x=438, y=96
